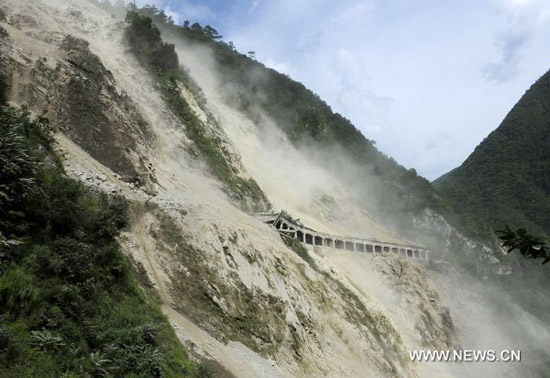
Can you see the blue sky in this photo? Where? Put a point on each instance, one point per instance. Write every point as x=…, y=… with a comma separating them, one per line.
x=426, y=79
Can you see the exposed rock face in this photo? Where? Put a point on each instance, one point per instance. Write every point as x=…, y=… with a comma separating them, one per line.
x=483, y=258
x=80, y=96
x=433, y=322
x=247, y=288
x=5, y=71
x=94, y=115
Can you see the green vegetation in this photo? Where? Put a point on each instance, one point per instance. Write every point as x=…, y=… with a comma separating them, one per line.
x=506, y=180
x=531, y=247
x=301, y=251
x=70, y=304
x=161, y=59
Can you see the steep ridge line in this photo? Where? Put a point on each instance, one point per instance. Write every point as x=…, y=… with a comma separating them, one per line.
x=289, y=227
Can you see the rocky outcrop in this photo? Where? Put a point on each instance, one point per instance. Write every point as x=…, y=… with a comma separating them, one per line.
x=79, y=95
x=87, y=106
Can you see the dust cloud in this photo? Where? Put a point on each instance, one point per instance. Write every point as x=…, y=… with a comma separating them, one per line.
x=300, y=181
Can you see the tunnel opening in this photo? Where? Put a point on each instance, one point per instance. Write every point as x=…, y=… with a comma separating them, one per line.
x=368, y=248
x=285, y=226
x=309, y=239
x=339, y=244
x=278, y=225
x=395, y=250
x=386, y=249
x=328, y=242
x=318, y=240
x=360, y=247
x=377, y=248
x=409, y=253
x=349, y=246
x=300, y=236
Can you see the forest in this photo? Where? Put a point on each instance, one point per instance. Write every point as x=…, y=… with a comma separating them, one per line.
x=506, y=180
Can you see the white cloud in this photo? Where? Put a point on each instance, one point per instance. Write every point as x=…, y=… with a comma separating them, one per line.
x=191, y=10
x=524, y=18
x=172, y=13
x=181, y=9
x=279, y=66
x=512, y=4
x=511, y=44
x=253, y=5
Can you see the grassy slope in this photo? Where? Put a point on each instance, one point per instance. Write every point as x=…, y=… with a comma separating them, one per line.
x=507, y=178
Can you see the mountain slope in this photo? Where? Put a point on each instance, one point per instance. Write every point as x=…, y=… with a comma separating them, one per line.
x=507, y=177
x=234, y=291
x=266, y=96
x=70, y=302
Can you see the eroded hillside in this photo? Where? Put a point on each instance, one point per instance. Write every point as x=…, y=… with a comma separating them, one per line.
x=234, y=291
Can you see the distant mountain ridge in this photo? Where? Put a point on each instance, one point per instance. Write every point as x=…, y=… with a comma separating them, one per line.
x=507, y=177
